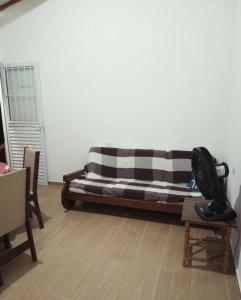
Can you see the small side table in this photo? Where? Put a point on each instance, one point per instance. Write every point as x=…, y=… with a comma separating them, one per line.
x=191, y=219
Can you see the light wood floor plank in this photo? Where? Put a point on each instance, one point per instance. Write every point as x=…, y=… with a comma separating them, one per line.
x=86, y=255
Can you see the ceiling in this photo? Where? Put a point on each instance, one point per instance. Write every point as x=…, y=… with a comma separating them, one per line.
x=5, y=3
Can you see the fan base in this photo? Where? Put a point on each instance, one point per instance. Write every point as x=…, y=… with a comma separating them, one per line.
x=206, y=214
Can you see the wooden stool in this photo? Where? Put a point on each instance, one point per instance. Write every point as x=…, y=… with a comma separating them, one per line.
x=191, y=218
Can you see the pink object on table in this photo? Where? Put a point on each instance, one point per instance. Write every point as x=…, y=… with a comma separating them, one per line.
x=3, y=168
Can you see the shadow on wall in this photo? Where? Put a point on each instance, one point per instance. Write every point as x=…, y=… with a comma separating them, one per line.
x=17, y=10
x=237, y=208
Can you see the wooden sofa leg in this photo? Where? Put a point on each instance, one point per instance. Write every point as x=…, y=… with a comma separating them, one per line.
x=31, y=240
x=67, y=203
x=1, y=280
x=6, y=239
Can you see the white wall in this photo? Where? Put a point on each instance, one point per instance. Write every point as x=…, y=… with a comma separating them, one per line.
x=234, y=137
x=134, y=73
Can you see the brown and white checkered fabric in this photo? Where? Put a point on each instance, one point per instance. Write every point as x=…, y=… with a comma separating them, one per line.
x=133, y=189
x=148, y=175
x=139, y=164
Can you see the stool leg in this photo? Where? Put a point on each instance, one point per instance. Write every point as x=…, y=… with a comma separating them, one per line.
x=226, y=249
x=186, y=243
x=223, y=234
x=6, y=239
x=1, y=280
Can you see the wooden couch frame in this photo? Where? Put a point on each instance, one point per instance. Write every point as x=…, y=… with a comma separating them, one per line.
x=69, y=198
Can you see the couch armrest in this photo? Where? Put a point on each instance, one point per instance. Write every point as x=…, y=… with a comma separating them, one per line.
x=74, y=175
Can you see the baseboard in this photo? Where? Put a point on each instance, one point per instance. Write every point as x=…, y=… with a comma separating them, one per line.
x=239, y=278
x=55, y=183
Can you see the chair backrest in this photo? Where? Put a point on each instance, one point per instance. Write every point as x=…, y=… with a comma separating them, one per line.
x=14, y=193
x=31, y=160
x=139, y=164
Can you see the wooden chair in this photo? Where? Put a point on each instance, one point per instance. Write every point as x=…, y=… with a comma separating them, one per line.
x=31, y=160
x=14, y=212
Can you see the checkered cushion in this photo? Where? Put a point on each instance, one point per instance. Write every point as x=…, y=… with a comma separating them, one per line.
x=139, y=164
x=154, y=191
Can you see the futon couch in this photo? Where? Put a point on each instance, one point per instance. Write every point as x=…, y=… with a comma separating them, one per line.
x=139, y=178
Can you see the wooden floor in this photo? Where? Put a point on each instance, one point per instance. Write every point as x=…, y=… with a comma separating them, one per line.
x=103, y=253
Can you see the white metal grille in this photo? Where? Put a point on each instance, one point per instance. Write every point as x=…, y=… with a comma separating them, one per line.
x=21, y=94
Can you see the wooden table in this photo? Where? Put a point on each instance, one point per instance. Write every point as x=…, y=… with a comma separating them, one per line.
x=191, y=218
x=4, y=168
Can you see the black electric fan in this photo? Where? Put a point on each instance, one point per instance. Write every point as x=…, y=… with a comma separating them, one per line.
x=209, y=176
